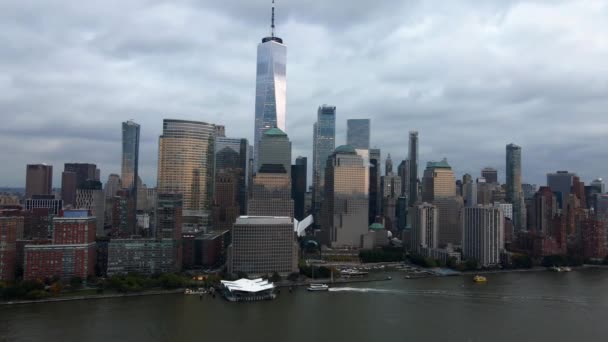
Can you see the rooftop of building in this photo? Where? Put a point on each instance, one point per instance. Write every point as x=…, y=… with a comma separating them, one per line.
x=376, y=226
x=263, y=220
x=248, y=285
x=443, y=164
x=272, y=168
x=345, y=149
x=277, y=132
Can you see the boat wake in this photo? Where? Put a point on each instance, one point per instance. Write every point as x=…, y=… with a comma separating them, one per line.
x=465, y=294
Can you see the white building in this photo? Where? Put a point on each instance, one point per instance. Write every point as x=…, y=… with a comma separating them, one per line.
x=425, y=227
x=483, y=234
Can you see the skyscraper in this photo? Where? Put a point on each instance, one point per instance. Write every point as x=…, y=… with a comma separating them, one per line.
x=490, y=174
x=112, y=185
x=270, y=88
x=561, y=183
x=449, y=221
x=38, y=180
x=75, y=176
x=186, y=166
x=438, y=181
x=403, y=170
x=514, y=193
x=413, y=174
x=130, y=155
x=232, y=156
x=375, y=193
x=483, y=234
x=424, y=227
x=271, y=192
x=298, y=186
x=275, y=148
x=324, y=143
x=344, y=211
x=358, y=133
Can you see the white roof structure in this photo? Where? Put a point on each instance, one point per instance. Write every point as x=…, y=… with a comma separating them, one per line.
x=248, y=285
x=300, y=226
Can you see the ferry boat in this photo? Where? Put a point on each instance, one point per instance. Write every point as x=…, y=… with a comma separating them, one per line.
x=353, y=273
x=480, y=279
x=318, y=287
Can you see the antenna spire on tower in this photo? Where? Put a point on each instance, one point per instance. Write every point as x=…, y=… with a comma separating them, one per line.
x=272, y=21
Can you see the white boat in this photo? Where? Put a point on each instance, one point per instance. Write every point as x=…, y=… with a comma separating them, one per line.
x=566, y=269
x=555, y=269
x=317, y=287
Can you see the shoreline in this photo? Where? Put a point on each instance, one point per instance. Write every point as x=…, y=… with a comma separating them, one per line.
x=338, y=281
x=88, y=297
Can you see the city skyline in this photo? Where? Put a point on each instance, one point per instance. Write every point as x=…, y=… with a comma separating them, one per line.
x=77, y=120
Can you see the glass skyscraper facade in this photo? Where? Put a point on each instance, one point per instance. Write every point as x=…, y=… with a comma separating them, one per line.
x=270, y=88
x=130, y=154
x=413, y=174
x=324, y=143
x=358, y=133
x=514, y=193
x=232, y=156
x=186, y=163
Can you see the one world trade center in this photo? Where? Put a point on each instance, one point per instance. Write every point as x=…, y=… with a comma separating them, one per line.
x=270, y=88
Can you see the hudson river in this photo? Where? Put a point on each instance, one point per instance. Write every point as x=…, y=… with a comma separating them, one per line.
x=535, y=306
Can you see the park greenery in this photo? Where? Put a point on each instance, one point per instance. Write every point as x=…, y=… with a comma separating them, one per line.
x=385, y=254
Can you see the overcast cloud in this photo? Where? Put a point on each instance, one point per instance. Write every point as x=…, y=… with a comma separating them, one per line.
x=470, y=76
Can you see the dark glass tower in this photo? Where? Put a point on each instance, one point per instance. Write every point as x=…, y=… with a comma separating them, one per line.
x=298, y=187
x=413, y=174
x=358, y=133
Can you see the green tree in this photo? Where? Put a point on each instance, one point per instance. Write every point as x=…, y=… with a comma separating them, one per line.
x=76, y=282
x=276, y=277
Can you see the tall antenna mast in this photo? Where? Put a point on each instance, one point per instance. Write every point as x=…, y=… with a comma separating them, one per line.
x=272, y=21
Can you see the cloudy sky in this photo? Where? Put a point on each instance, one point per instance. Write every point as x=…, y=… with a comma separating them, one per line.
x=471, y=76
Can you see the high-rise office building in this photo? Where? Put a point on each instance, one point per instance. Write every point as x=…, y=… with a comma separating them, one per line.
x=186, y=165
x=130, y=162
x=275, y=149
x=169, y=216
x=413, y=172
x=220, y=131
x=225, y=205
x=75, y=176
x=270, y=88
x=263, y=245
x=38, y=180
x=483, y=234
x=324, y=143
x=514, y=193
x=93, y=199
x=345, y=208
x=298, y=186
x=490, y=174
x=425, y=227
x=438, y=181
x=130, y=155
x=112, y=185
x=544, y=210
x=358, y=133
x=561, y=183
x=599, y=185
x=271, y=192
x=449, y=224
x=375, y=193
x=232, y=156
x=388, y=166
x=402, y=171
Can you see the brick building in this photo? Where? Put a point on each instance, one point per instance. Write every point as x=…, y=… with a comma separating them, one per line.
x=11, y=229
x=72, y=253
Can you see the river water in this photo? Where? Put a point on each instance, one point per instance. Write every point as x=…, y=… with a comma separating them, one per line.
x=533, y=306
